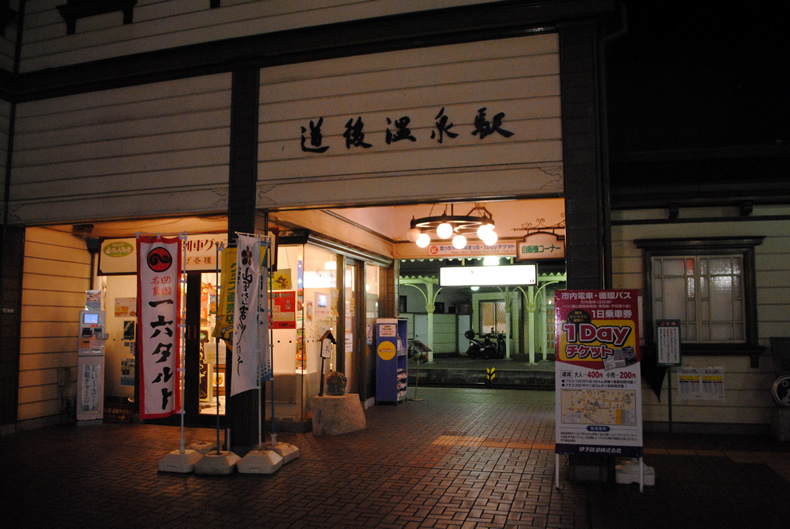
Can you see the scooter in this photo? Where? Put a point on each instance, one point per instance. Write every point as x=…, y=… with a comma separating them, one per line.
x=484, y=348
x=501, y=348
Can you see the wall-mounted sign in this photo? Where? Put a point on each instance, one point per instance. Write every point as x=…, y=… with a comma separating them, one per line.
x=668, y=332
x=284, y=310
x=541, y=245
x=119, y=256
x=281, y=280
x=701, y=383
x=502, y=248
x=401, y=128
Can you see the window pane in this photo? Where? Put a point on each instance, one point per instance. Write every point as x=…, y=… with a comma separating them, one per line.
x=501, y=317
x=721, y=332
x=720, y=266
x=737, y=287
x=704, y=333
x=674, y=298
x=721, y=299
x=673, y=267
x=691, y=333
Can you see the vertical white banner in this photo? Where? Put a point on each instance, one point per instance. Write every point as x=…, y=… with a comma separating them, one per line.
x=246, y=353
x=159, y=338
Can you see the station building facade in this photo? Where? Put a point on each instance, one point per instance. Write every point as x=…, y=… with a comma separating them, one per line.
x=236, y=116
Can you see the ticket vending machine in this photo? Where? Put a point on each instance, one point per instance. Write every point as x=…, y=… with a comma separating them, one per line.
x=90, y=366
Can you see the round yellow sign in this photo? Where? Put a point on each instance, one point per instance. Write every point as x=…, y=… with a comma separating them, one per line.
x=386, y=350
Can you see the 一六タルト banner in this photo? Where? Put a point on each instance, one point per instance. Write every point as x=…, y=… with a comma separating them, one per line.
x=598, y=377
x=159, y=337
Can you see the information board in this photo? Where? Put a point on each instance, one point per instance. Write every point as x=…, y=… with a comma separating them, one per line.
x=668, y=334
x=598, y=377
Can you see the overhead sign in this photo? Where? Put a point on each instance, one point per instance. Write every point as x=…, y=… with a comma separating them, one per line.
x=541, y=245
x=470, y=276
x=598, y=378
x=502, y=248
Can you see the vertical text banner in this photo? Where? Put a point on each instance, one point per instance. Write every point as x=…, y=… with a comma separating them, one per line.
x=246, y=353
x=224, y=327
x=598, y=379
x=158, y=309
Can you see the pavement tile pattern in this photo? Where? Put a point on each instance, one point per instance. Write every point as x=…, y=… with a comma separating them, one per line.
x=466, y=458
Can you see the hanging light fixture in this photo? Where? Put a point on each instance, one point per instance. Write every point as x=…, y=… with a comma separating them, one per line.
x=444, y=230
x=459, y=241
x=478, y=221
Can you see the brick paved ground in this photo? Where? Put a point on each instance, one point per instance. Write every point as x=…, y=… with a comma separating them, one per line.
x=460, y=458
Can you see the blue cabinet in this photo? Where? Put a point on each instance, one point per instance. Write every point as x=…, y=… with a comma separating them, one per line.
x=392, y=370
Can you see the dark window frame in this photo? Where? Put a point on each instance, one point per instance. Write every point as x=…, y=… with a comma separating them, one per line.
x=743, y=246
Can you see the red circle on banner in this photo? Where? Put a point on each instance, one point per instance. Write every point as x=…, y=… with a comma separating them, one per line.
x=159, y=259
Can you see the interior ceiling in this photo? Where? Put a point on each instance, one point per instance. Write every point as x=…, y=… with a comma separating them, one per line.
x=511, y=216
x=390, y=223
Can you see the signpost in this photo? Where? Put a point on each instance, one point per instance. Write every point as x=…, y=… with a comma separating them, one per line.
x=327, y=341
x=668, y=333
x=598, y=377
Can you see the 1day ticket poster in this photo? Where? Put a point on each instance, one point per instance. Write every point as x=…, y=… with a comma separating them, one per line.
x=598, y=377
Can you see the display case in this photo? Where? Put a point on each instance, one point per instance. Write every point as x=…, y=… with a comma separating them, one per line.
x=391, y=360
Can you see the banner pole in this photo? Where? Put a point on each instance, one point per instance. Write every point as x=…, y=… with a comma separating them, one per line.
x=261, y=404
x=231, y=244
x=556, y=471
x=181, y=460
x=269, y=266
x=182, y=331
x=669, y=396
x=217, y=341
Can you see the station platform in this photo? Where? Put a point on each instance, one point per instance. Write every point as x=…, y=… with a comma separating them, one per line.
x=457, y=370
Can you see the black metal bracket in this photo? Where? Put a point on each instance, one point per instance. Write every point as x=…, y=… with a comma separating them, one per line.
x=73, y=10
x=6, y=15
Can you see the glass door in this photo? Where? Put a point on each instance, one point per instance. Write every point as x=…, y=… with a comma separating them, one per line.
x=204, y=358
x=350, y=310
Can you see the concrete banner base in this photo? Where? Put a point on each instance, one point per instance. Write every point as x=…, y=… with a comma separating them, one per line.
x=181, y=462
x=217, y=464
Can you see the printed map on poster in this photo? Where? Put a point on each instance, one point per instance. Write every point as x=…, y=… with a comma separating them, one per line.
x=594, y=406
